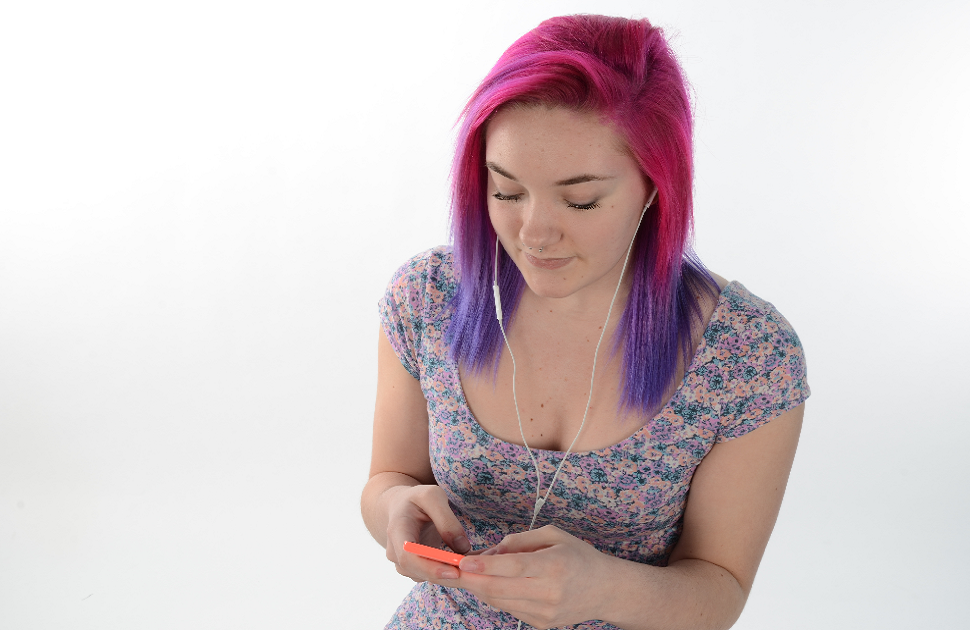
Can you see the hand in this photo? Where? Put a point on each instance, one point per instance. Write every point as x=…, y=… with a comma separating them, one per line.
x=545, y=577
x=421, y=514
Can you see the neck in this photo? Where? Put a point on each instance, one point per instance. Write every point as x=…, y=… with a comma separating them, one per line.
x=586, y=308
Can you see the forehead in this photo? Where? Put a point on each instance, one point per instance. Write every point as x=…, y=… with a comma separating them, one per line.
x=555, y=142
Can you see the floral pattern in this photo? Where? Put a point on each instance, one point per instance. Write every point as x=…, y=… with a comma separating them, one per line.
x=628, y=499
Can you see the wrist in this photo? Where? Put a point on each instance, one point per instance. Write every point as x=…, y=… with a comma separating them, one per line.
x=378, y=492
x=608, y=588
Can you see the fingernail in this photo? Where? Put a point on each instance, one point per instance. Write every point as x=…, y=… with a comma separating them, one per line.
x=461, y=544
x=449, y=574
x=471, y=566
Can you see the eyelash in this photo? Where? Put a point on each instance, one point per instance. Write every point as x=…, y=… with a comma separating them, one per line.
x=575, y=206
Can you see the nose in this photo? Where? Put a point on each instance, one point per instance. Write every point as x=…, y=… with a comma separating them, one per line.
x=540, y=227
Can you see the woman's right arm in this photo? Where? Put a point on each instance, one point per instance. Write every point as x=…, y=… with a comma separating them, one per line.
x=401, y=501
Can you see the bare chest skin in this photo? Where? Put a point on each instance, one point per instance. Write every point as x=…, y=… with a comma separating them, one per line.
x=552, y=382
x=553, y=369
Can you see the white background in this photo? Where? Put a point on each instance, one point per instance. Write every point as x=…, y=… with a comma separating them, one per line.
x=201, y=203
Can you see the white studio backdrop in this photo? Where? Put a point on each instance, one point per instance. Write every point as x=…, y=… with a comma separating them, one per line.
x=201, y=203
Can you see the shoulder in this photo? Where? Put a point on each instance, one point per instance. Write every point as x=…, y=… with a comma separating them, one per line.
x=759, y=357
x=744, y=314
x=435, y=261
x=415, y=297
x=721, y=282
x=424, y=282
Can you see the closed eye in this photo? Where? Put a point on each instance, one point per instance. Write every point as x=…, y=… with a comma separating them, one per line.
x=576, y=206
x=584, y=206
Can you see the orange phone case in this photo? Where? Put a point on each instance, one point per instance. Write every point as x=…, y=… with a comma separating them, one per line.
x=438, y=555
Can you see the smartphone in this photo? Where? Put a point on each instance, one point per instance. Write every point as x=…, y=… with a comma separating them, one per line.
x=438, y=555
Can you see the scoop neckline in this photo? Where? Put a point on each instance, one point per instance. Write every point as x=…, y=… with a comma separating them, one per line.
x=701, y=349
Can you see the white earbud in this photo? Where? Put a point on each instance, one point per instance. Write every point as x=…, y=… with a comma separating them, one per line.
x=498, y=300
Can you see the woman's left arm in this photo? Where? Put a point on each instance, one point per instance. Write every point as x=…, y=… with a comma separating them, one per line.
x=549, y=578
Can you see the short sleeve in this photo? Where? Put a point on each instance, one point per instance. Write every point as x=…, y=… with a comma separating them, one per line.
x=769, y=375
x=401, y=316
x=414, y=299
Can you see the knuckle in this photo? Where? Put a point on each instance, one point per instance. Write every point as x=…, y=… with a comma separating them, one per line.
x=401, y=570
x=391, y=550
x=550, y=529
x=553, y=598
x=428, y=491
x=547, y=616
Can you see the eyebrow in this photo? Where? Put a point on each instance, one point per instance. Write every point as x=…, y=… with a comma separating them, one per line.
x=578, y=179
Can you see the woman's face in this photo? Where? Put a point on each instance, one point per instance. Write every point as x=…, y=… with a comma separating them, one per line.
x=561, y=181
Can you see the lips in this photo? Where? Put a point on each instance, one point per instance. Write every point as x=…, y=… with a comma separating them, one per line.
x=547, y=263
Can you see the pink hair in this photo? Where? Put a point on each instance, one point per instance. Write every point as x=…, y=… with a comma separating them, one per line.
x=625, y=71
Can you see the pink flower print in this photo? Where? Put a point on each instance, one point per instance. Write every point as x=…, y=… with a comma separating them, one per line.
x=516, y=473
x=631, y=499
x=758, y=383
x=627, y=466
x=761, y=402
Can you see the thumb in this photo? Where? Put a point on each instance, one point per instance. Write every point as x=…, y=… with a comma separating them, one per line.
x=528, y=541
x=436, y=507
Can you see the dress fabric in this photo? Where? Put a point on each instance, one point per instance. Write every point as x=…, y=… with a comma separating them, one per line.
x=628, y=499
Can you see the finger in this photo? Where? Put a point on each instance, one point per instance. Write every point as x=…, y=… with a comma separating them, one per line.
x=429, y=535
x=407, y=532
x=509, y=565
x=531, y=541
x=492, y=588
x=414, y=566
x=528, y=599
x=399, y=537
x=423, y=570
x=434, y=502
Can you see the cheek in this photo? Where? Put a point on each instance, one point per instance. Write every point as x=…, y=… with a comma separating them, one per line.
x=502, y=222
x=606, y=242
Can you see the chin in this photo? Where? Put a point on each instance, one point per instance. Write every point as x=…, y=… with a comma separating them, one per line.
x=545, y=288
x=551, y=295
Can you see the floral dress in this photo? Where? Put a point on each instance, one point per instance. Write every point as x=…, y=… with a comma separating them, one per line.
x=627, y=499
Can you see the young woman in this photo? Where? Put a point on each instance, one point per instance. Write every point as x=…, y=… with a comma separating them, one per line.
x=632, y=485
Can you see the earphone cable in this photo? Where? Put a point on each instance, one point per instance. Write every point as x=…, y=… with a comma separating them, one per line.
x=541, y=500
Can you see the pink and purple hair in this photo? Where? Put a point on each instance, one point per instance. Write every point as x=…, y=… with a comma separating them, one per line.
x=623, y=70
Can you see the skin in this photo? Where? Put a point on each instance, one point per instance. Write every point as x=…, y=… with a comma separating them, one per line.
x=547, y=577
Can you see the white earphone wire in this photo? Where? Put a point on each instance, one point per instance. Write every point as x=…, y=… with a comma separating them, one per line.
x=541, y=500
x=501, y=325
